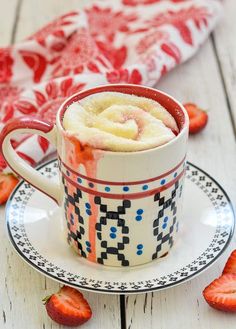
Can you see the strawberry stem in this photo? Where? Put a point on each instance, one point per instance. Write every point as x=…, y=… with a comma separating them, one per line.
x=46, y=299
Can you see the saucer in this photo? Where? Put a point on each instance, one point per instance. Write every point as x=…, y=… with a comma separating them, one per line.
x=37, y=232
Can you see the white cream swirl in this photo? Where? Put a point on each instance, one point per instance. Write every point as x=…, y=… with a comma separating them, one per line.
x=119, y=122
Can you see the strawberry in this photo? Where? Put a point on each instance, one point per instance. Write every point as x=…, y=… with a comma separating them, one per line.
x=230, y=266
x=221, y=293
x=197, y=118
x=7, y=184
x=68, y=307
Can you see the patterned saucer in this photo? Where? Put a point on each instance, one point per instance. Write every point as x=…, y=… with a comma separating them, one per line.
x=36, y=231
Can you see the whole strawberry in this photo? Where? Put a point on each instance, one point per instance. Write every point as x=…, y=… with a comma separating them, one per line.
x=68, y=307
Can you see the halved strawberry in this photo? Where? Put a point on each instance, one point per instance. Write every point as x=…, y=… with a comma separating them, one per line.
x=230, y=266
x=221, y=293
x=68, y=307
x=7, y=184
x=197, y=118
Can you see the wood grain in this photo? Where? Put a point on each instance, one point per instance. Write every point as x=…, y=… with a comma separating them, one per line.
x=22, y=288
x=34, y=14
x=225, y=45
x=214, y=151
x=8, y=15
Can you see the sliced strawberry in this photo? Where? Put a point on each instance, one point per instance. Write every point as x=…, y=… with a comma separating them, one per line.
x=68, y=307
x=221, y=293
x=230, y=266
x=197, y=118
x=7, y=184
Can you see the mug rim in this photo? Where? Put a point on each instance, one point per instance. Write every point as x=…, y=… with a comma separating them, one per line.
x=103, y=88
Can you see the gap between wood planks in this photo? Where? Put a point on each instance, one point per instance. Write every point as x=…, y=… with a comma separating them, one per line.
x=16, y=20
x=122, y=312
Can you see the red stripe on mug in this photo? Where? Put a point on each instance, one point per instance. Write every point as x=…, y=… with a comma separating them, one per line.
x=94, y=180
x=123, y=196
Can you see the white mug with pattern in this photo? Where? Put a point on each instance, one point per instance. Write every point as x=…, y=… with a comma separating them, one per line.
x=121, y=208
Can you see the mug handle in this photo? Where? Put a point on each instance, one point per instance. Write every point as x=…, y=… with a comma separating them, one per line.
x=25, y=125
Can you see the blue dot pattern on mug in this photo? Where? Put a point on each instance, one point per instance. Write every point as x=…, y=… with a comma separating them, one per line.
x=88, y=207
x=88, y=244
x=132, y=188
x=139, y=212
x=113, y=232
x=139, y=249
x=164, y=225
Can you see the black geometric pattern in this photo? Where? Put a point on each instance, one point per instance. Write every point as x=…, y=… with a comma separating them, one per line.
x=115, y=220
x=165, y=204
x=17, y=218
x=74, y=201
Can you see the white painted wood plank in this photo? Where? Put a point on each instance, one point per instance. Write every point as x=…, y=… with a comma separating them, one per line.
x=225, y=41
x=7, y=18
x=215, y=151
x=22, y=288
x=35, y=13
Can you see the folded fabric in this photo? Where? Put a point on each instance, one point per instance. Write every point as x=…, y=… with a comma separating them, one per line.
x=122, y=41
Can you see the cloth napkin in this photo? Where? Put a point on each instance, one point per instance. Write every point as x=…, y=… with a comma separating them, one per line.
x=122, y=41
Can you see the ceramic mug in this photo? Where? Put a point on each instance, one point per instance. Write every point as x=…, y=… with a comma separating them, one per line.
x=121, y=208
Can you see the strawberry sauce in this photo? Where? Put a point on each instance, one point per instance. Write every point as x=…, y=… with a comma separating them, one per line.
x=77, y=155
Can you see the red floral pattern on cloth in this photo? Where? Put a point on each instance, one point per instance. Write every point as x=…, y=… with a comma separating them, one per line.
x=180, y=19
x=79, y=54
x=6, y=63
x=113, y=57
x=36, y=62
x=8, y=99
x=105, y=22
x=124, y=76
x=122, y=41
x=146, y=2
x=56, y=30
x=53, y=95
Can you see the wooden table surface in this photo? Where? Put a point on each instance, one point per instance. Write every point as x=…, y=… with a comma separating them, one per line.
x=209, y=79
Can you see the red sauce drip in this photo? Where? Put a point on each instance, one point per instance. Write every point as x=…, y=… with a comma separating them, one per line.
x=77, y=155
